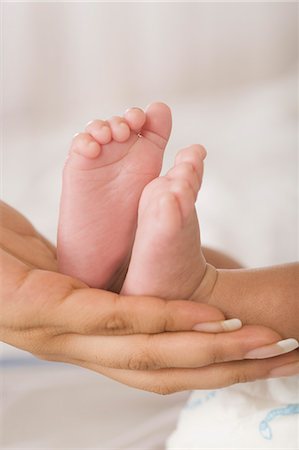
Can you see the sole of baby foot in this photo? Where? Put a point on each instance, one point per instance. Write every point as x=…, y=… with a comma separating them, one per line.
x=167, y=259
x=109, y=165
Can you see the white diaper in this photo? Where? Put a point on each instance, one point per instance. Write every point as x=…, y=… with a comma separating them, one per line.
x=259, y=415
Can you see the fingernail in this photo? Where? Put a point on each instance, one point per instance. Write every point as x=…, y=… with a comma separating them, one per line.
x=285, y=371
x=267, y=351
x=219, y=326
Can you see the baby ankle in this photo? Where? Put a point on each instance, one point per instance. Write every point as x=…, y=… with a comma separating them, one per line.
x=205, y=289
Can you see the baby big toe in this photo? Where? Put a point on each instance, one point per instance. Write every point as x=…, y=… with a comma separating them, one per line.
x=85, y=145
x=195, y=154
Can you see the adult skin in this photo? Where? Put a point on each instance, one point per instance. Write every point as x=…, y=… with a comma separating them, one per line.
x=267, y=295
x=139, y=341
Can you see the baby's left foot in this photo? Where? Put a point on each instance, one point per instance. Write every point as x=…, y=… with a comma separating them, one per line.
x=167, y=260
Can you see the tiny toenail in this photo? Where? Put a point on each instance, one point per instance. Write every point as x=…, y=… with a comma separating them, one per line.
x=75, y=135
x=132, y=107
x=89, y=123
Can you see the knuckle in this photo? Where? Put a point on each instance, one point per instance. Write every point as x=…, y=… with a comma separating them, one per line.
x=141, y=361
x=217, y=353
x=172, y=311
x=114, y=322
x=240, y=376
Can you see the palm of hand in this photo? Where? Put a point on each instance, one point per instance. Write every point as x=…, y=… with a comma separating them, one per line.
x=27, y=261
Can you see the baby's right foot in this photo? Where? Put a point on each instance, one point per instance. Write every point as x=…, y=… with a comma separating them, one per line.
x=104, y=176
x=167, y=260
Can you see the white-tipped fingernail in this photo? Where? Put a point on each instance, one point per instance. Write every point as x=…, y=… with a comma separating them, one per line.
x=218, y=326
x=231, y=324
x=268, y=351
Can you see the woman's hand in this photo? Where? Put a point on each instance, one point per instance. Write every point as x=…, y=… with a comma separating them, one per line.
x=147, y=343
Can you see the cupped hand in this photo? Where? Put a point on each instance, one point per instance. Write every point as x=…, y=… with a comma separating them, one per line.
x=144, y=342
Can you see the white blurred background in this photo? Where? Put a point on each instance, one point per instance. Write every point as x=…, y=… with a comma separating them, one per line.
x=229, y=73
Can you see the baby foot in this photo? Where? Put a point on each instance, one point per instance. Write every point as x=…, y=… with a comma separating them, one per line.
x=106, y=171
x=167, y=260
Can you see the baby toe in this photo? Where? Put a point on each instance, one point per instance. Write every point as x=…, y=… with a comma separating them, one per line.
x=120, y=129
x=194, y=154
x=85, y=145
x=99, y=130
x=135, y=118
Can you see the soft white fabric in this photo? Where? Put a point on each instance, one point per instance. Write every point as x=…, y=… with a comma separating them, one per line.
x=260, y=415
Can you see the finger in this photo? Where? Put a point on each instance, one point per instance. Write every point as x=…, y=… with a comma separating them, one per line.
x=91, y=311
x=70, y=308
x=164, y=350
x=168, y=381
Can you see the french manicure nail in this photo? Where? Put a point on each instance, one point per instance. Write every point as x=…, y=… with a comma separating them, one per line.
x=268, y=351
x=285, y=371
x=218, y=326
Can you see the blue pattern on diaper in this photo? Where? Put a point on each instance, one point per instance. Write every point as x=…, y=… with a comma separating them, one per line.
x=264, y=426
x=193, y=403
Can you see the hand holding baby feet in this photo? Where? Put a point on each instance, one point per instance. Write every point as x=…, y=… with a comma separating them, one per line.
x=167, y=259
x=107, y=169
